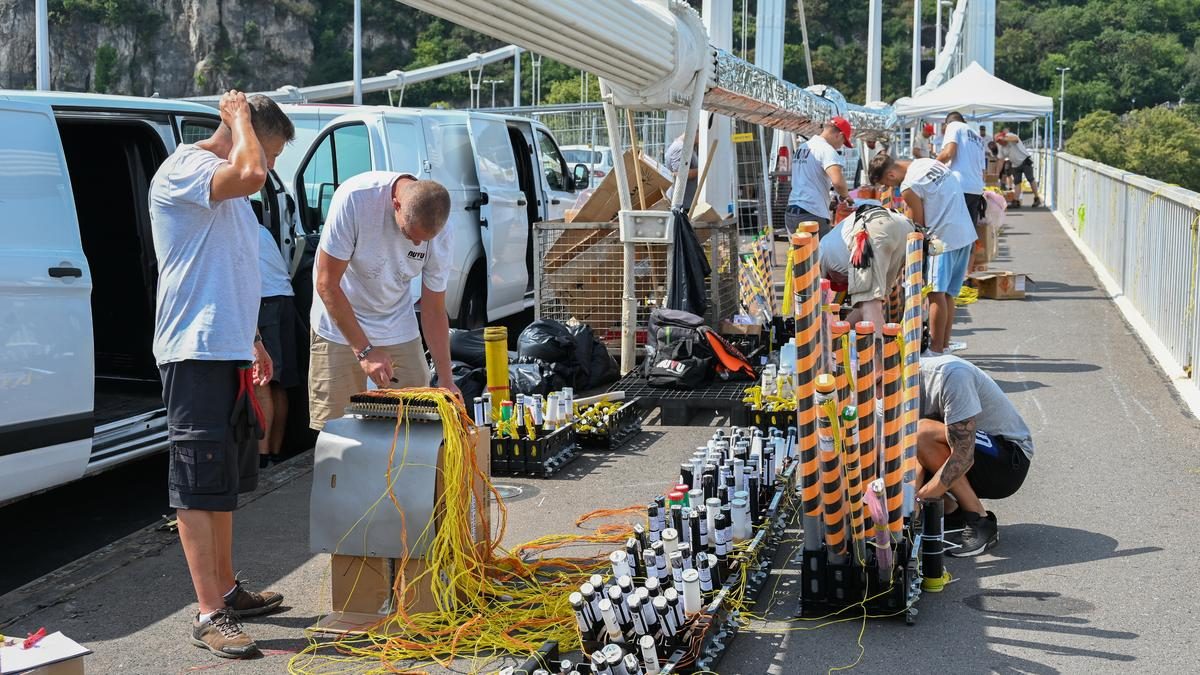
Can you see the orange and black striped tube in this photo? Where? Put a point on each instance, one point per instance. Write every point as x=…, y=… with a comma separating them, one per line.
x=833, y=485
x=839, y=333
x=807, y=308
x=893, y=453
x=911, y=379
x=854, y=485
x=864, y=332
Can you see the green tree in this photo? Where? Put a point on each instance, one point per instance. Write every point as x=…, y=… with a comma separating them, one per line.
x=1098, y=137
x=106, y=66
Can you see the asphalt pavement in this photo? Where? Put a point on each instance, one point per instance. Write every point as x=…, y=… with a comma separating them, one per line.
x=1092, y=574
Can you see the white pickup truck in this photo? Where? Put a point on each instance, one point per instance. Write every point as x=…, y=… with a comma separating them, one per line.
x=79, y=389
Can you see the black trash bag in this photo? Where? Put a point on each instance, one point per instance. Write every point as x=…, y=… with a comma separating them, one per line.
x=689, y=267
x=471, y=381
x=527, y=379
x=467, y=346
x=596, y=366
x=555, y=374
x=547, y=340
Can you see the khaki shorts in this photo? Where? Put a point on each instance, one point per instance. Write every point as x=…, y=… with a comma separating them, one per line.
x=888, y=237
x=334, y=375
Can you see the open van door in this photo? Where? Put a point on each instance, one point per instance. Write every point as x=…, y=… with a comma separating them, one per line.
x=47, y=366
x=503, y=214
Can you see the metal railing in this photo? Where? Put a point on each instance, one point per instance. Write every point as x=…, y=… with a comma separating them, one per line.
x=1144, y=233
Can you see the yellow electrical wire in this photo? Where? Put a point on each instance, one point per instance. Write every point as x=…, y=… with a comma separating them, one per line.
x=488, y=601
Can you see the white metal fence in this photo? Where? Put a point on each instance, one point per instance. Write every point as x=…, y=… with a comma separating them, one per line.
x=1144, y=233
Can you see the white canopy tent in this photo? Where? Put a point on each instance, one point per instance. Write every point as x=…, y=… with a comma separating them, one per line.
x=979, y=96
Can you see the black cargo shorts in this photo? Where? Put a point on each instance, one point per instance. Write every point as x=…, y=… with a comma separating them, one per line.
x=211, y=461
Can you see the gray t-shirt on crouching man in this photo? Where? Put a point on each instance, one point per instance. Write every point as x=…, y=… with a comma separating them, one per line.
x=953, y=390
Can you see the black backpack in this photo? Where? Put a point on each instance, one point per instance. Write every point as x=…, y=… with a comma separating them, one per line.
x=677, y=352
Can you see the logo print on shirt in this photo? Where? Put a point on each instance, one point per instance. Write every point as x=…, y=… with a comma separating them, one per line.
x=416, y=255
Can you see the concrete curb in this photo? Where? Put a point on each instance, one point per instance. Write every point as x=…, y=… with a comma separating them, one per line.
x=58, y=586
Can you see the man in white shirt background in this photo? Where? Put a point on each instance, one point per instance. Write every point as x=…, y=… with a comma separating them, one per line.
x=922, y=145
x=816, y=168
x=384, y=229
x=1021, y=162
x=935, y=201
x=964, y=152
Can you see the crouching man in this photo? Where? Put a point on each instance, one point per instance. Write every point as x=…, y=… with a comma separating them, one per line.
x=972, y=443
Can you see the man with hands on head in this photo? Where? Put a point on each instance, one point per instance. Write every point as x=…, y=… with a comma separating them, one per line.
x=384, y=230
x=205, y=340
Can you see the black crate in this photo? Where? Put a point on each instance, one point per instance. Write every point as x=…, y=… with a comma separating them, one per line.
x=546, y=454
x=624, y=424
x=678, y=406
x=828, y=587
x=766, y=419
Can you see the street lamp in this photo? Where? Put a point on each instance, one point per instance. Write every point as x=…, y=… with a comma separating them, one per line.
x=937, y=49
x=1062, y=92
x=494, y=83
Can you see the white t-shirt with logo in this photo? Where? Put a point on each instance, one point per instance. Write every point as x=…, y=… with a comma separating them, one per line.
x=946, y=213
x=810, y=182
x=361, y=228
x=970, y=156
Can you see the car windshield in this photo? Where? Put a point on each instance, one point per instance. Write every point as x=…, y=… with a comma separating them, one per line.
x=581, y=156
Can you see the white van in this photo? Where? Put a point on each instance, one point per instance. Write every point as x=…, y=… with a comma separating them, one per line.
x=79, y=389
x=504, y=173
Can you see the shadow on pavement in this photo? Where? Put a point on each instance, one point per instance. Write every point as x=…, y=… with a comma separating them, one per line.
x=1029, y=363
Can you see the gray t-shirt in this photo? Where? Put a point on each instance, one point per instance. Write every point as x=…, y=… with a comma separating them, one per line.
x=953, y=390
x=674, y=158
x=208, y=280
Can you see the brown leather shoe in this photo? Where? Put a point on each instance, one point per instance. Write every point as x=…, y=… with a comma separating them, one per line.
x=222, y=635
x=244, y=603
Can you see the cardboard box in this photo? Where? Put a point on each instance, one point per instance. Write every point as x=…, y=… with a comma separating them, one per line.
x=981, y=252
x=728, y=327
x=604, y=203
x=360, y=587
x=55, y=654
x=999, y=284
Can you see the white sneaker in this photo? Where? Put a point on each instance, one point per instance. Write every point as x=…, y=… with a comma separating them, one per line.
x=954, y=346
x=929, y=354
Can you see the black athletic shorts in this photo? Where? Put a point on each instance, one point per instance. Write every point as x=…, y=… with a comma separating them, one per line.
x=210, y=461
x=976, y=206
x=794, y=215
x=1025, y=169
x=999, y=469
x=277, y=325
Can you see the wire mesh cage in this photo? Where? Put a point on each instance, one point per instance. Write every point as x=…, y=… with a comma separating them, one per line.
x=580, y=275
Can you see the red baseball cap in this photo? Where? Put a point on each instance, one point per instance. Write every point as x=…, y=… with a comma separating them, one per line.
x=928, y=129
x=842, y=126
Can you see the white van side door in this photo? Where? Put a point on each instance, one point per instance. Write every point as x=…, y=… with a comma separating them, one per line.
x=554, y=174
x=47, y=362
x=503, y=215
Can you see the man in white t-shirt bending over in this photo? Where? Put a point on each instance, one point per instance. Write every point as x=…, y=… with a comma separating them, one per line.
x=1021, y=163
x=384, y=229
x=864, y=256
x=816, y=168
x=935, y=201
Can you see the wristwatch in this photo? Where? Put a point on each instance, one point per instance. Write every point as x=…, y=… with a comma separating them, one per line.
x=363, y=354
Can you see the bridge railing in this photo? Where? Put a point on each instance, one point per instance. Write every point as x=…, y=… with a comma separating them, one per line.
x=1144, y=235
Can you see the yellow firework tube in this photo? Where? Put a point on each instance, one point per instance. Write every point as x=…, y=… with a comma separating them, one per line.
x=833, y=485
x=911, y=385
x=893, y=454
x=807, y=316
x=495, y=354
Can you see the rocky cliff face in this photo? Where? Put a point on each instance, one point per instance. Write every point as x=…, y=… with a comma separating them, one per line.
x=171, y=47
